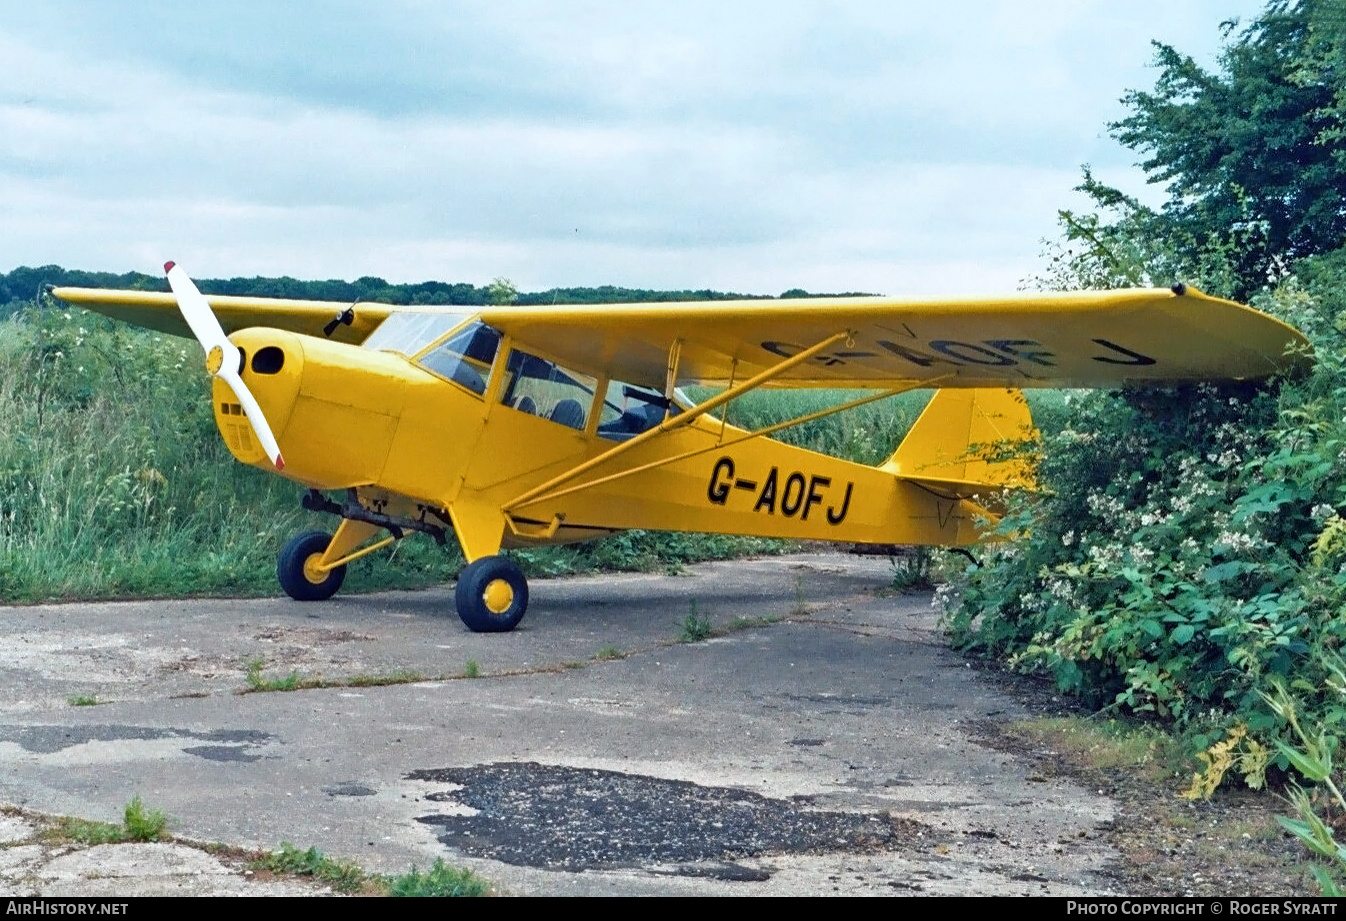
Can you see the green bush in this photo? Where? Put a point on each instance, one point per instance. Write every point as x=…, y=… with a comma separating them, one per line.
x=1184, y=556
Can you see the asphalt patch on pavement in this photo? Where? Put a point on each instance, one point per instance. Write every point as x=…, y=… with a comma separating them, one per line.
x=565, y=818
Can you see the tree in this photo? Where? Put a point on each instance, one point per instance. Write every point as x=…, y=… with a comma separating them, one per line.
x=1253, y=158
x=502, y=291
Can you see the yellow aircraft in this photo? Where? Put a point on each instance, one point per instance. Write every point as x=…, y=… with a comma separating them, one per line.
x=517, y=426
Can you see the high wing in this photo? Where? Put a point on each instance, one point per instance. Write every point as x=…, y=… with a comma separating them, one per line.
x=1077, y=339
x=159, y=311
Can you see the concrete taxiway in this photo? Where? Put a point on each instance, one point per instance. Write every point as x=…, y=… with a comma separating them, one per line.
x=823, y=740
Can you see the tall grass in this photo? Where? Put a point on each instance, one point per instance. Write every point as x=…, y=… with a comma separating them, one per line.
x=867, y=434
x=114, y=481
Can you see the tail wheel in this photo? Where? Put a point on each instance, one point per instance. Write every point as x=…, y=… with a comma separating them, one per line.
x=492, y=595
x=297, y=568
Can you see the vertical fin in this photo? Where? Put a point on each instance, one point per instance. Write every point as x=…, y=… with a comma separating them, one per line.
x=958, y=444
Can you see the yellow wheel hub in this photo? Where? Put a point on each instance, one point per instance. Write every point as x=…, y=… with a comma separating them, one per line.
x=312, y=572
x=215, y=359
x=499, y=595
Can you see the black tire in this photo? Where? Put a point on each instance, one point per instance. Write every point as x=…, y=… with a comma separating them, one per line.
x=475, y=605
x=290, y=568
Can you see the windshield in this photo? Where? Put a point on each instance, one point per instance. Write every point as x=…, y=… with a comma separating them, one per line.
x=408, y=333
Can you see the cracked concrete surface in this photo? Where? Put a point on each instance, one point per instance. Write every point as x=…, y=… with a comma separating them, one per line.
x=846, y=708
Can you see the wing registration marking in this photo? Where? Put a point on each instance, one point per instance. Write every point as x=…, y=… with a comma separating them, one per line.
x=993, y=353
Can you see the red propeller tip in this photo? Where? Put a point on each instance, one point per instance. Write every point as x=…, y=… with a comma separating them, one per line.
x=280, y=462
x=168, y=266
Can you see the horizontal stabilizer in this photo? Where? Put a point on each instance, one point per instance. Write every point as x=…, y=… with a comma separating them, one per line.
x=968, y=443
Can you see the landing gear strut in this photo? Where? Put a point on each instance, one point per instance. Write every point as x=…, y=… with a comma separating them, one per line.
x=492, y=595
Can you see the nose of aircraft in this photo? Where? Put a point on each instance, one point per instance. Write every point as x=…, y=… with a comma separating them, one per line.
x=273, y=365
x=334, y=407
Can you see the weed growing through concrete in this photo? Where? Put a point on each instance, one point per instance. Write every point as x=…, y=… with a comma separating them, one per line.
x=748, y=623
x=341, y=875
x=138, y=824
x=349, y=877
x=82, y=831
x=801, y=606
x=913, y=570
x=294, y=682
x=258, y=682
x=471, y=669
x=141, y=824
x=397, y=676
x=609, y=653
x=82, y=700
x=440, y=881
x=695, y=628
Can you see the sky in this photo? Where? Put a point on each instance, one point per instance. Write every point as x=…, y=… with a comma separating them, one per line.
x=901, y=148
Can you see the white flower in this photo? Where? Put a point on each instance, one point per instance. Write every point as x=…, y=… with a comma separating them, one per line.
x=1322, y=512
x=1238, y=541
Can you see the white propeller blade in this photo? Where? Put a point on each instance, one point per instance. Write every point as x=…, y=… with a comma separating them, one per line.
x=222, y=356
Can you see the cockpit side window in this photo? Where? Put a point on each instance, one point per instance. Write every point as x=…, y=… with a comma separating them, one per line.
x=629, y=410
x=465, y=357
x=543, y=388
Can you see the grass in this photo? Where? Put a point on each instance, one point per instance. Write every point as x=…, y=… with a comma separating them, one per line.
x=138, y=824
x=912, y=571
x=142, y=825
x=694, y=628
x=293, y=681
x=749, y=623
x=258, y=682
x=471, y=669
x=801, y=606
x=440, y=881
x=1143, y=752
x=609, y=654
x=83, y=700
x=347, y=876
x=341, y=875
x=397, y=676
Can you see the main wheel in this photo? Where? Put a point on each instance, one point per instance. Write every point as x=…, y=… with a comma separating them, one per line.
x=492, y=595
x=296, y=572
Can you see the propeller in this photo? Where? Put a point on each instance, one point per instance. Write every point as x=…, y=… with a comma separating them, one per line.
x=223, y=359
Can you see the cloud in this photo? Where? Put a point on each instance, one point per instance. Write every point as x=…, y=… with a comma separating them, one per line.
x=748, y=146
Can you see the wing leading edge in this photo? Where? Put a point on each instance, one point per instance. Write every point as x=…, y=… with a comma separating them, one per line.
x=159, y=311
